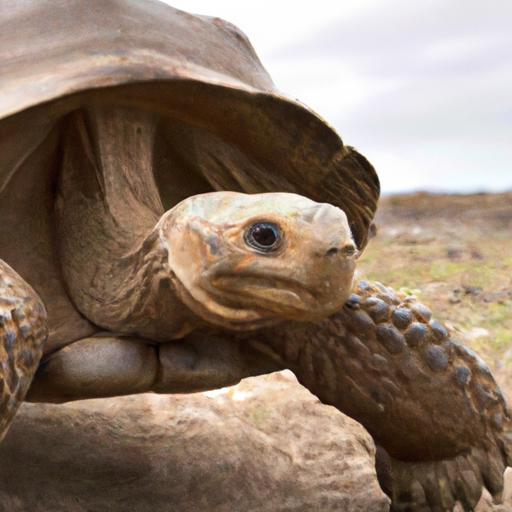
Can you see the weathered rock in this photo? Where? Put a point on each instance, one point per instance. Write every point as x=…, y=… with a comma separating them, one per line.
x=486, y=504
x=265, y=445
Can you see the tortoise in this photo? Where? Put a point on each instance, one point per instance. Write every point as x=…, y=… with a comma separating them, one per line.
x=172, y=223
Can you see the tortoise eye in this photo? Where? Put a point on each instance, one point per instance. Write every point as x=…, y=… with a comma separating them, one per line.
x=264, y=236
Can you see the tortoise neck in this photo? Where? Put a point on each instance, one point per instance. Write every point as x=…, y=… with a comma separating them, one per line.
x=119, y=145
x=113, y=261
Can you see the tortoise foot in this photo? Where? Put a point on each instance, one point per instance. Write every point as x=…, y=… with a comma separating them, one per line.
x=437, y=486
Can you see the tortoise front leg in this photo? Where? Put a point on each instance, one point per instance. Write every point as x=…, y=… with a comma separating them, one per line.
x=108, y=365
x=23, y=331
x=430, y=403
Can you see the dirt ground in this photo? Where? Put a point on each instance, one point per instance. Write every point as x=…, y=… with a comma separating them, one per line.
x=454, y=252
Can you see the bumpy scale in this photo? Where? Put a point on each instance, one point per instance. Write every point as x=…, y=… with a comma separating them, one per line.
x=22, y=334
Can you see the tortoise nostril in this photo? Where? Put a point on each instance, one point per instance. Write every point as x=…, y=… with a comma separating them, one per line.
x=349, y=250
x=346, y=250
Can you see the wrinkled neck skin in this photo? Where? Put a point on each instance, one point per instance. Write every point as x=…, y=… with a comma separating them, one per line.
x=238, y=261
x=108, y=207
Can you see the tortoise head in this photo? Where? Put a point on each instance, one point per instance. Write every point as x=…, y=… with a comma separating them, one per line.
x=243, y=261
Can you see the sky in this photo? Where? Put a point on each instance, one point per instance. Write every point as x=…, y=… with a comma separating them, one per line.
x=422, y=88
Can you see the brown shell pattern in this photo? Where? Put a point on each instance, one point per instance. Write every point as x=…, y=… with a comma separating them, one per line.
x=22, y=334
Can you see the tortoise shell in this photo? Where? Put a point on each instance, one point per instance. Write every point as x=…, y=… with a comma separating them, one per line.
x=222, y=122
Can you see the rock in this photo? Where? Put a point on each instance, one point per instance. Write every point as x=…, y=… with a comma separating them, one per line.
x=264, y=445
x=454, y=253
x=486, y=505
x=472, y=290
x=455, y=298
x=476, y=333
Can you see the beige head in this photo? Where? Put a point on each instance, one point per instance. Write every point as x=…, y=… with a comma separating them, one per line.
x=244, y=261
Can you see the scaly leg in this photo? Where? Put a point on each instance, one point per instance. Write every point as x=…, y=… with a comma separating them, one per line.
x=22, y=334
x=431, y=404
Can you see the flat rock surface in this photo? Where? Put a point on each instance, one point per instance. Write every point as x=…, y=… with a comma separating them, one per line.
x=264, y=445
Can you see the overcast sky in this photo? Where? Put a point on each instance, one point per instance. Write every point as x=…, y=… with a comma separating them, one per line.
x=423, y=88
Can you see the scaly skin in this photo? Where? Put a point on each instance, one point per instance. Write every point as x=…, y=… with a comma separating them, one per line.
x=22, y=334
x=431, y=404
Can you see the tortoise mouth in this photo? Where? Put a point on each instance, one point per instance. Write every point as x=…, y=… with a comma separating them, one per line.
x=277, y=295
x=214, y=307
x=250, y=301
